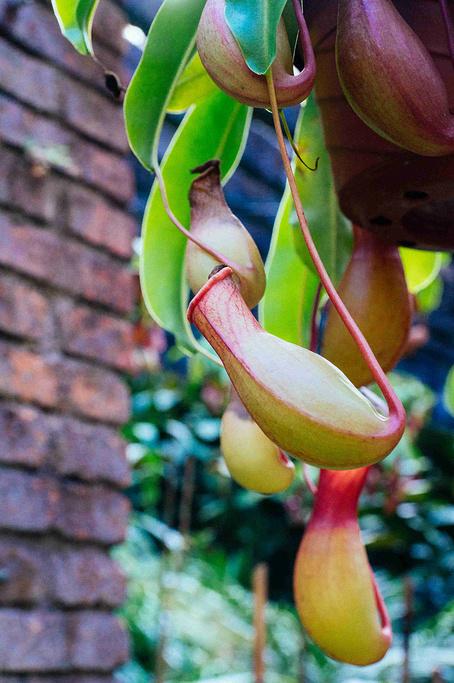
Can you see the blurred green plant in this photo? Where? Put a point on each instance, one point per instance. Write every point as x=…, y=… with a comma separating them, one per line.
x=196, y=536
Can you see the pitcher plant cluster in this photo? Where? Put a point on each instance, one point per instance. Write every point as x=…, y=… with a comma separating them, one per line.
x=299, y=388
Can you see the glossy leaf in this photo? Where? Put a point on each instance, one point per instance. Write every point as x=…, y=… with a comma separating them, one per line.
x=216, y=128
x=75, y=18
x=194, y=86
x=421, y=267
x=289, y=280
x=169, y=45
x=254, y=25
x=448, y=392
x=291, y=24
x=429, y=298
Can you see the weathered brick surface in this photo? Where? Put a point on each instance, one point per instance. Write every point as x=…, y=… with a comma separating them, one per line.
x=73, y=267
x=46, y=196
x=28, y=502
x=23, y=186
x=33, y=641
x=83, y=577
x=35, y=28
x=28, y=375
x=24, y=311
x=70, y=385
x=92, y=513
x=58, y=573
x=64, y=445
x=25, y=435
x=53, y=143
x=99, y=642
x=90, y=452
x=99, y=336
x=78, y=105
x=66, y=293
x=93, y=392
x=98, y=222
x=40, y=503
x=47, y=641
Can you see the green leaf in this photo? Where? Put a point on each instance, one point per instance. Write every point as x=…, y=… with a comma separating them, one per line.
x=75, y=18
x=286, y=308
x=330, y=230
x=448, y=392
x=214, y=129
x=291, y=24
x=194, y=86
x=254, y=25
x=169, y=45
x=428, y=299
x=421, y=267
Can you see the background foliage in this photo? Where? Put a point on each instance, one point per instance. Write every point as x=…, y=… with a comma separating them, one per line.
x=196, y=537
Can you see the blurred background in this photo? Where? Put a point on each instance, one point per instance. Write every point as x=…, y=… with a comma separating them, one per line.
x=81, y=364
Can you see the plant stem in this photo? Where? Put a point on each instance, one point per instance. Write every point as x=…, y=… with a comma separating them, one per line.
x=260, y=588
x=314, y=327
x=292, y=143
x=408, y=622
x=396, y=409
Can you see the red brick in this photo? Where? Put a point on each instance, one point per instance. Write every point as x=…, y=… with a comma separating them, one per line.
x=21, y=571
x=24, y=311
x=25, y=435
x=90, y=452
x=51, y=198
x=36, y=28
x=38, y=503
x=74, y=267
x=93, y=392
x=28, y=376
x=99, y=336
x=92, y=513
x=57, y=573
x=33, y=641
x=99, y=642
x=98, y=222
x=78, y=105
x=68, y=385
x=93, y=453
x=22, y=188
x=61, y=148
x=84, y=578
x=20, y=75
x=44, y=641
x=28, y=502
x=93, y=115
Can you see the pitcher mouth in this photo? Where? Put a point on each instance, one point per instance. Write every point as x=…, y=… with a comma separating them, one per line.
x=217, y=275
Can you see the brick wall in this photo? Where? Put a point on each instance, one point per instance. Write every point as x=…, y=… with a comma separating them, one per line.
x=65, y=340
